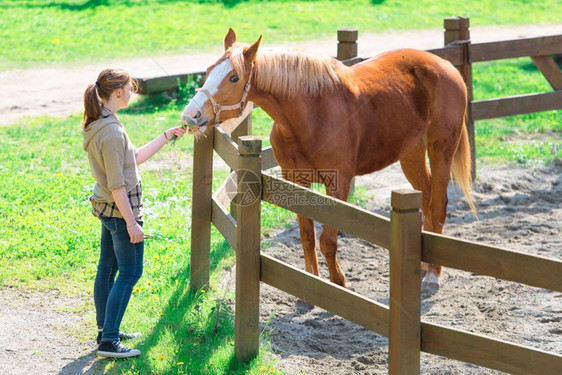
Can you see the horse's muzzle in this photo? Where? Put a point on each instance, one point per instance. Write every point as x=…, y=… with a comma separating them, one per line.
x=195, y=122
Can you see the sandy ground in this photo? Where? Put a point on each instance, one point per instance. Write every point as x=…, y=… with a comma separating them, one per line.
x=519, y=208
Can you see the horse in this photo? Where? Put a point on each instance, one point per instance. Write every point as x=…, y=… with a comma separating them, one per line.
x=403, y=105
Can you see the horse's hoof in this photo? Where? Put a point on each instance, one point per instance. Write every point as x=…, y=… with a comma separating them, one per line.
x=303, y=306
x=430, y=284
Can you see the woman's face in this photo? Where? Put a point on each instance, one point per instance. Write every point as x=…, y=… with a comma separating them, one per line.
x=125, y=95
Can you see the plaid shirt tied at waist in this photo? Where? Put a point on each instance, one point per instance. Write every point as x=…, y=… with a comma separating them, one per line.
x=109, y=209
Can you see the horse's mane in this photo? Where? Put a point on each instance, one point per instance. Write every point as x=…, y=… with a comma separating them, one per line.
x=289, y=72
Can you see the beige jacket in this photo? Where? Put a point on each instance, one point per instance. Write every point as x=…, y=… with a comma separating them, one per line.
x=112, y=157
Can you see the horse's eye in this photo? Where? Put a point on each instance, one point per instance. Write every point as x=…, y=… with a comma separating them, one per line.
x=234, y=78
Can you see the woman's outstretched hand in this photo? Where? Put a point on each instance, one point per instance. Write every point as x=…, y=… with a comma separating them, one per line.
x=175, y=133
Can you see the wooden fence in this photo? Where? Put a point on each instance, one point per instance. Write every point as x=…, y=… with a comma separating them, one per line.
x=408, y=245
x=402, y=235
x=462, y=53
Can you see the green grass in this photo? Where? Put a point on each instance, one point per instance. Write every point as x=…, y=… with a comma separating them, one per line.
x=44, y=187
x=530, y=139
x=34, y=32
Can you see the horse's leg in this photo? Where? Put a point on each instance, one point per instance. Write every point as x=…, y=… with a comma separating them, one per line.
x=329, y=236
x=415, y=169
x=416, y=172
x=308, y=241
x=440, y=162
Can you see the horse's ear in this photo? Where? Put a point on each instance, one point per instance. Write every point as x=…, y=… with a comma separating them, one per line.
x=251, y=52
x=229, y=39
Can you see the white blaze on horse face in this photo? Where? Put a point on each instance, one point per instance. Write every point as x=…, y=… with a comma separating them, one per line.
x=212, y=83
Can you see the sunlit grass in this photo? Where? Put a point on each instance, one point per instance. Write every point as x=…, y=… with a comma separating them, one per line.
x=531, y=139
x=42, y=32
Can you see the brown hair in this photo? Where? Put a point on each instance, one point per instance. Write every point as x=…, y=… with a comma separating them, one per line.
x=108, y=81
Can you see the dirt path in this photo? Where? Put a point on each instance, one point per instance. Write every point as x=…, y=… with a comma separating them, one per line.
x=57, y=91
x=520, y=208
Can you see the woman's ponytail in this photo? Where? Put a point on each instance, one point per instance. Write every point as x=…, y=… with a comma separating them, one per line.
x=92, y=105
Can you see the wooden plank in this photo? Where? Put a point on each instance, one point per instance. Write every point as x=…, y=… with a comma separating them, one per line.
x=322, y=293
x=353, y=61
x=453, y=53
x=245, y=124
x=224, y=222
x=227, y=187
x=516, y=105
x=550, y=70
x=405, y=282
x=248, y=233
x=201, y=212
x=226, y=148
x=336, y=213
x=488, y=352
x=268, y=159
x=156, y=85
x=545, y=45
x=487, y=260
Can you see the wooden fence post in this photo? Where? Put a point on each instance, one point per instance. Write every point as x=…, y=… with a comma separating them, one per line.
x=347, y=49
x=347, y=44
x=457, y=31
x=245, y=128
x=405, y=282
x=201, y=205
x=248, y=230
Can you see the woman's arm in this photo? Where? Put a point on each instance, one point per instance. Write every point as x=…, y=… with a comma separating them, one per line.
x=136, y=233
x=147, y=151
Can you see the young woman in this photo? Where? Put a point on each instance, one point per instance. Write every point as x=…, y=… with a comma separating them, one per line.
x=117, y=202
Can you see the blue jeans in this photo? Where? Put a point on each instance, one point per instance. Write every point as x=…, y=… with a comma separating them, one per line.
x=111, y=295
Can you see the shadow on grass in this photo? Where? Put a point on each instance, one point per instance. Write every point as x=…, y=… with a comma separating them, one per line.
x=92, y=4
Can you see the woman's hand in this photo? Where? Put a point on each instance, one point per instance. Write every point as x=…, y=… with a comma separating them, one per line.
x=136, y=233
x=178, y=131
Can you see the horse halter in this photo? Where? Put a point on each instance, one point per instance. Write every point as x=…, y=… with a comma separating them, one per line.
x=217, y=108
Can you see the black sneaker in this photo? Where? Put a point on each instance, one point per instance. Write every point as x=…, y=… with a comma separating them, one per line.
x=116, y=350
x=129, y=336
x=122, y=336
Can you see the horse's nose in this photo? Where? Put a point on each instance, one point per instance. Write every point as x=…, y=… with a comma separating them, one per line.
x=190, y=116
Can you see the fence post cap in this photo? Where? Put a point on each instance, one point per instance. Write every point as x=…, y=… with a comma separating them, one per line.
x=406, y=199
x=249, y=145
x=348, y=35
x=456, y=23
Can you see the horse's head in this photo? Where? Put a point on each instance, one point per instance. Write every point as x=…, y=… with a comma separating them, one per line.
x=224, y=94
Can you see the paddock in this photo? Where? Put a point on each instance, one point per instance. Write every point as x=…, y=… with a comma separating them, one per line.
x=408, y=334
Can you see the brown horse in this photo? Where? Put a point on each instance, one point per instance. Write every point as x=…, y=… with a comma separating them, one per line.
x=398, y=106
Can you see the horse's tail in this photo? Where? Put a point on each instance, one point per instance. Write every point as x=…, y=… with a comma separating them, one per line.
x=462, y=167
